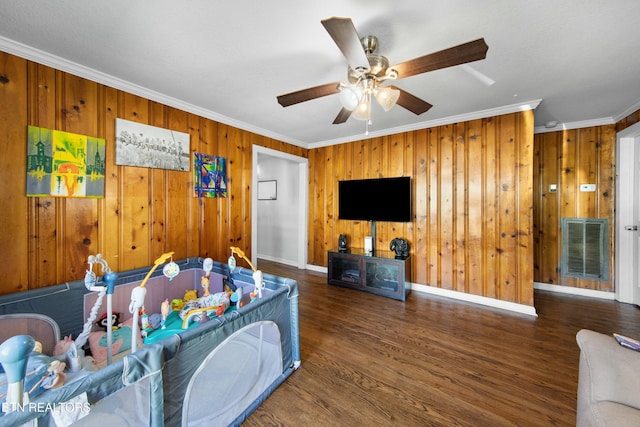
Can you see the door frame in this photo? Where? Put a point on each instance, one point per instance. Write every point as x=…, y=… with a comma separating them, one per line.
x=303, y=201
x=626, y=250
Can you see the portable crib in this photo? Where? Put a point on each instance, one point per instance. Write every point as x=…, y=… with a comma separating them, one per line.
x=215, y=373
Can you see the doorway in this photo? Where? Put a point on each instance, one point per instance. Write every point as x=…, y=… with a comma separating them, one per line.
x=628, y=216
x=300, y=172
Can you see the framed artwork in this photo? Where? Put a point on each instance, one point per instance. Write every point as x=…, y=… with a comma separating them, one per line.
x=209, y=175
x=268, y=190
x=64, y=164
x=151, y=147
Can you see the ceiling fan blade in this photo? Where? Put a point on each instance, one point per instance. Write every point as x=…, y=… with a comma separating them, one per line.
x=342, y=116
x=461, y=54
x=411, y=102
x=308, y=94
x=344, y=33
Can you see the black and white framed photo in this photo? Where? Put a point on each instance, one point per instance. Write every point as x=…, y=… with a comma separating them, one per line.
x=268, y=190
x=151, y=147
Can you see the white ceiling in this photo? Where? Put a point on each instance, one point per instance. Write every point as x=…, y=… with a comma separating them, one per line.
x=578, y=61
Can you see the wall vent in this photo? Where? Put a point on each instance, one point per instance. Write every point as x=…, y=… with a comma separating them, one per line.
x=585, y=248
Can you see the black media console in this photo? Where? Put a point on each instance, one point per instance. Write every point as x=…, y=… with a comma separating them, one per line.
x=380, y=274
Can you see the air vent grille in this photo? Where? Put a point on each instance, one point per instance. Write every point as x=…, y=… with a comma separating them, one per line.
x=585, y=248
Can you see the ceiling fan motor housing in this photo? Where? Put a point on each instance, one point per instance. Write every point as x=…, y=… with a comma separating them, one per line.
x=378, y=67
x=378, y=64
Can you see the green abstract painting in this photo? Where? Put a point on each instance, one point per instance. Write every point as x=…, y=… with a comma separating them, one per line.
x=64, y=164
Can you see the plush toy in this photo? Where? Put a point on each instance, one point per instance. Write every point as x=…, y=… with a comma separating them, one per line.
x=190, y=295
x=149, y=323
x=204, y=282
x=115, y=321
x=176, y=304
x=155, y=320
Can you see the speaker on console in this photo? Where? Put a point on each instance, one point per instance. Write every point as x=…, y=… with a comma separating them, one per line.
x=342, y=243
x=400, y=247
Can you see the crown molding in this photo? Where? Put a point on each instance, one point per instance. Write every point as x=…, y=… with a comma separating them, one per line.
x=576, y=125
x=44, y=58
x=588, y=123
x=491, y=112
x=632, y=109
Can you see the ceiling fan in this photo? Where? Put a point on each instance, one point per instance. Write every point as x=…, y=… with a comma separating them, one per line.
x=368, y=71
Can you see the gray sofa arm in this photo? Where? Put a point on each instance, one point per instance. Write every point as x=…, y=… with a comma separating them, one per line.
x=609, y=374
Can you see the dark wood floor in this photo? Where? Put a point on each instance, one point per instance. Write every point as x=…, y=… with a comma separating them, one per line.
x=369, y=360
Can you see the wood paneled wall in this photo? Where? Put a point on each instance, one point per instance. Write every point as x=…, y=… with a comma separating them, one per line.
x=628, y=121
x=145, y=212
x=473, y=192
x=570, y=158
x=473, y=203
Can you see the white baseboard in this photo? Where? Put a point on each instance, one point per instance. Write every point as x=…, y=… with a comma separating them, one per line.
x=292, y=263
x=317, y=268
x=574, y=291
x=476, y=299
x=490, y=302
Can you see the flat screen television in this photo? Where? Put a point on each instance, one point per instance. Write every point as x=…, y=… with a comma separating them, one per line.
x=379, y=199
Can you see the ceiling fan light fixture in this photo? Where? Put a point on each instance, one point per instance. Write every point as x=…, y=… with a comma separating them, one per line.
x=350, y=96
x=387, y=97
x=363, y=110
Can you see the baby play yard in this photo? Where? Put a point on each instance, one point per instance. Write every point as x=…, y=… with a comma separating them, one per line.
x=192, y=342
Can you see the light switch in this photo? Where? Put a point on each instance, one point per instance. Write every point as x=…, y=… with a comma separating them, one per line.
x=552, y=188
x=587, y=187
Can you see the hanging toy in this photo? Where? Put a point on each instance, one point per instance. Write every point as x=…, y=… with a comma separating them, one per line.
x=257, y=274
x=207, y=265
x=231, y=262
x=171, y=269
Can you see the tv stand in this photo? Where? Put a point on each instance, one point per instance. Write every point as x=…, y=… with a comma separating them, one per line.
x=373, y=238
x=381, y=274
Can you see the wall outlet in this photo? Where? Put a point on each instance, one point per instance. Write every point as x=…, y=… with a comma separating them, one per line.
x=553, y=188
x=587, y=187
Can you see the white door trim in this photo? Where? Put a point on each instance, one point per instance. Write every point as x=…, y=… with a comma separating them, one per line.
x=303, y=205
x=626, y=257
